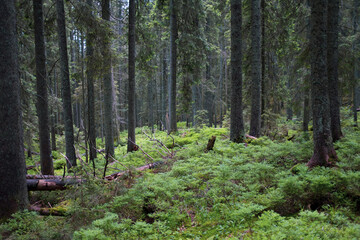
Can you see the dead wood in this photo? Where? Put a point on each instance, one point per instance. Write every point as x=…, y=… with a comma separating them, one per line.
x=51, y=184
x=142, y=168
x=210, y=144
x=47, y=211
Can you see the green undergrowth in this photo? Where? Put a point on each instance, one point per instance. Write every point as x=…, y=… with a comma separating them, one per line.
x=258, y=190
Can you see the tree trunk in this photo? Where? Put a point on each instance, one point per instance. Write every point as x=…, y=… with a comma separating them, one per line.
x=14, y=196
x=173, y=70
x=131, y=89
x=108, y=92
x=90, y=90
x=263, y=61
x=323, y=149
x=64, y=66
x=332, y=68
x=41, y=87
x=255, y=68
x=236, y=116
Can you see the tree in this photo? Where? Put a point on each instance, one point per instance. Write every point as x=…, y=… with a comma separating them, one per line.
x=108, y=86
x=323, y=148
x=14, y=196
x=66, y=92
x=173, y=67
x=90, y=88
x=42, y=94
x=131, y=89
x=332, y=67
x=236, y=117
x=255, y=123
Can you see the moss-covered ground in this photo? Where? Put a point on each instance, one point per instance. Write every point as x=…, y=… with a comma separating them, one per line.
x=255, y=190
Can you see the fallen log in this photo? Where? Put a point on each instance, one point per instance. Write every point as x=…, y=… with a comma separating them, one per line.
x=47, y=211
x=49, y=177
x=51, y=184
x=147, y=166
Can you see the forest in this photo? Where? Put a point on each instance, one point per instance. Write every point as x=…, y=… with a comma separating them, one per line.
x=179, y=119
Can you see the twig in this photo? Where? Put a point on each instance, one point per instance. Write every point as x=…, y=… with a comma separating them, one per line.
x=157, y=140
x=142, y=150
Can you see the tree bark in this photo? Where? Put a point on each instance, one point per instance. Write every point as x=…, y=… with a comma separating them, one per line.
x=255, y=123
x=50, y=184
x=108, y=86
x=236, y=116
x=14, y=196
x=66, y=91
x=173, y=67
x=90, y=89
x=41, y=87
x=131, y=89
x=323, y=148
x=332, y=67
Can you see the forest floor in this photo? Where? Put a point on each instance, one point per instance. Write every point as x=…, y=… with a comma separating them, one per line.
x=257, y=190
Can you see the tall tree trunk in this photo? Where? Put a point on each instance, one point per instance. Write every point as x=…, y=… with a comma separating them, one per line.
x=306, y=114
x=46, y=161
x=356, y=67
x=323, y=149
x=173, y=70
x=263, y=63
x=66, y=91
x=90, y=90
x=255, y=68
x=108, y=92
x=164, y=79
x=14, y=196
x=332, y=67
x=131, y=89
x=236, y=116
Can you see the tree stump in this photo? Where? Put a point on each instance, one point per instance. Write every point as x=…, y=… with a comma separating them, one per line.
x=210, y=144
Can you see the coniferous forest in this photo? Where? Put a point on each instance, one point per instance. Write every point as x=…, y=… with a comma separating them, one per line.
x=179, y=119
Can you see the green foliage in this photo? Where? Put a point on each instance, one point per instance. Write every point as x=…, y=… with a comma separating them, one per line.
x=258, y=190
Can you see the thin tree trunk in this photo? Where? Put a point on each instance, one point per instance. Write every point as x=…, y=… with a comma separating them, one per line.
x=255, y=68
x=263, y=61
x=236, y=118
x=108, y=92
x=14, y=196
x=332, y=68
x=90, y=90
x=173, y=70
x=42, y=92
x=66, y=91
x=131, y=89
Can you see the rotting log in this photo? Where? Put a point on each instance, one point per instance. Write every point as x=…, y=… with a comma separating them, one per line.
x=51, y=184
x=47, y=211
x=147, y=166
x=210, y=144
